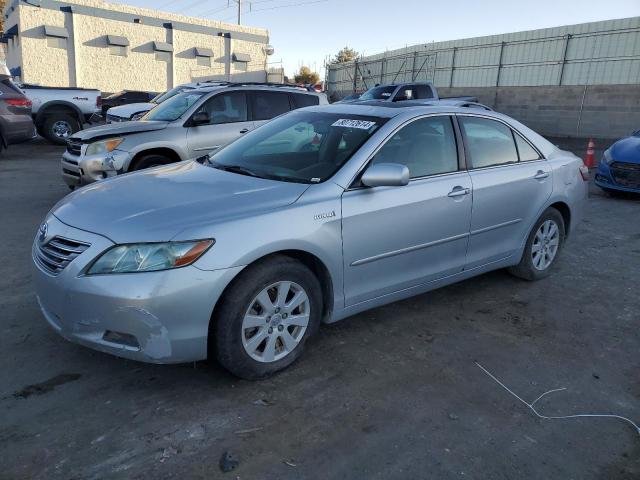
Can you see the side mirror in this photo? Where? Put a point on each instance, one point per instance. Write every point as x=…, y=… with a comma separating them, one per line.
x=386, y=175
x=200, y=118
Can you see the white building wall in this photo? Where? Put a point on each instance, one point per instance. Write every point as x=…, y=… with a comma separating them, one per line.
x=87, y=61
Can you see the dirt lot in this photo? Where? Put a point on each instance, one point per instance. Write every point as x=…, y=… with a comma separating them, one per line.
x=390, y=393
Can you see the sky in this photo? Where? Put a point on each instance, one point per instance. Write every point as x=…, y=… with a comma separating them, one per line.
x=306, y=32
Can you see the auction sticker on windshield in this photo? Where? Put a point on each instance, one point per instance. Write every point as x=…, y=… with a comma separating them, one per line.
x=349, y=123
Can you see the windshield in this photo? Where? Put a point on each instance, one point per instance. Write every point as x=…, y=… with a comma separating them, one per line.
x=303, y=147
x=378, y=93
x=174, y=107
x=161, y=97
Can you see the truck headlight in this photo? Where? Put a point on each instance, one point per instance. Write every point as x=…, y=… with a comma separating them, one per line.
x=149, y=257
x=606, y=157
x=104, y=146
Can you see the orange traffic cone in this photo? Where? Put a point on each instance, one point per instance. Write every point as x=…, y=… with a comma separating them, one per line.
x=589, y=159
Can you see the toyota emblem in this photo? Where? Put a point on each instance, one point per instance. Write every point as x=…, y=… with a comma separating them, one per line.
x=44, y=228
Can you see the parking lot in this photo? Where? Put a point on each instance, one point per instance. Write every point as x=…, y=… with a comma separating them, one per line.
x=390, y=393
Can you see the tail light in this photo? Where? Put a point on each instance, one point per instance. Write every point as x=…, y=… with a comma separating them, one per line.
x=584, y=171
x=18, y=102
x=99, y=101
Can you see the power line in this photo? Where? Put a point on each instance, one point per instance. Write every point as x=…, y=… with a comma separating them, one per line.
x=289, y=5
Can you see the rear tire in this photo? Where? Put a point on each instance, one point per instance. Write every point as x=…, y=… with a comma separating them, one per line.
x=542, y=248
x=280, y=332
x=58, y=127
x=151, y=160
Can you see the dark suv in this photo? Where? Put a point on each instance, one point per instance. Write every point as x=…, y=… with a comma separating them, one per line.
x=16, y=124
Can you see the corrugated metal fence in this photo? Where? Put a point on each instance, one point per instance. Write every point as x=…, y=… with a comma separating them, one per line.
x=596, y=53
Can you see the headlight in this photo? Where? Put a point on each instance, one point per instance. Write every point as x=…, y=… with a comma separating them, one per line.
x=606, y=157
x=149, y=257
x=104, y=146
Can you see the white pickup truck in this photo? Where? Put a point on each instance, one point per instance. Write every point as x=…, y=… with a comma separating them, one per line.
x=59, y=112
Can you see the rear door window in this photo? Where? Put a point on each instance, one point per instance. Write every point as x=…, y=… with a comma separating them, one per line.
x=488, y=142
x=267, y=105
x=301, y=100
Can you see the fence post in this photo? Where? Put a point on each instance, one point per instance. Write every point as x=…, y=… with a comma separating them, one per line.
x=567, y=37
x=499, y=64
x=355, y=75
x=453, y=66
x=413, y=68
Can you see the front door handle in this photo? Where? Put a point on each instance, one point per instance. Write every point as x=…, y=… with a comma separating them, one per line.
x=541, y=174
x=244, y=130
x=459, y=191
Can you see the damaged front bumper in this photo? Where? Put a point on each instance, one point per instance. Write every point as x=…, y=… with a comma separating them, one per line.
x=78, y=170
x=156, y=317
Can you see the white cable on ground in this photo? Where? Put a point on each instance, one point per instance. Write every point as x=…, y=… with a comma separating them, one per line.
x=533, y=409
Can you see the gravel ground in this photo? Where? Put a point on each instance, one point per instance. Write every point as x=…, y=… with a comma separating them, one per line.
x=390, y=393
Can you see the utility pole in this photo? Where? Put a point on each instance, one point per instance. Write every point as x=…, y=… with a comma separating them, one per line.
x=239, y=2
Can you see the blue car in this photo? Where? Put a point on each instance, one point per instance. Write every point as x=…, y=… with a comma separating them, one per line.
x=619, y=169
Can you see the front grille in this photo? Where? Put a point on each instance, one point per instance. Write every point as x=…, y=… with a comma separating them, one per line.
x=632, y=167
x=74, y=148
x=54, y=255
x=66, y=171
x=626, y=174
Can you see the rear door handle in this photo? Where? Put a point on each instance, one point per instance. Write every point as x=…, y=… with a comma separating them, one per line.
x=459, y=191
x=244, y=130
x=541, y=174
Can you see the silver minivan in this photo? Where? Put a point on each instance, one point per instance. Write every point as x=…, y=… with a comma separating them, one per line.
x=318, y=215
x=183, y=127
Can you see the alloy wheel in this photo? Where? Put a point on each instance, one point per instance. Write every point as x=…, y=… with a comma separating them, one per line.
x=275, y=321
x=62, y=129
x=545, y=245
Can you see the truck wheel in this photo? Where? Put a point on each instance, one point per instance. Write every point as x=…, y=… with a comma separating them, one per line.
x=265, y=317
x=151, y=160
x=57, y=128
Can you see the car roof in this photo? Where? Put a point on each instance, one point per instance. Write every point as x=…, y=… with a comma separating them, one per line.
x=248, y=86
x=376, y=108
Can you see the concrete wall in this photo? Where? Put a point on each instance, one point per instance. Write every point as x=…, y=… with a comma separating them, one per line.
x=599, y=111
x=87, y=61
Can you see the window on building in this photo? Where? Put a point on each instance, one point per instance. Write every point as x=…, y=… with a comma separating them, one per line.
x=240, y=66
x=163, y=56
x=203, y=61
x=56, y=42
x=118, y=50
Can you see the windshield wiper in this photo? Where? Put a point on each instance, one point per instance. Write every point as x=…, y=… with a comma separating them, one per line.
x=235, y=169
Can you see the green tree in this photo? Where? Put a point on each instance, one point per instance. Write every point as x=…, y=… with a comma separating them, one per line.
x=346, y=54
x=305, y=75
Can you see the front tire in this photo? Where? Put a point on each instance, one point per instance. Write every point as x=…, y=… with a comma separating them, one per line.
x=265, y=317
x=542, y=248
x=57, y=128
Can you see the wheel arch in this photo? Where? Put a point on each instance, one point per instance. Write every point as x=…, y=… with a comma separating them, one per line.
x=565, y=211
x=57, y=106
x=165, y=151
x=311, y=261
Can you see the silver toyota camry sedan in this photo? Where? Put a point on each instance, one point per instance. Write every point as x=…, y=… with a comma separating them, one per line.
x=320, y=214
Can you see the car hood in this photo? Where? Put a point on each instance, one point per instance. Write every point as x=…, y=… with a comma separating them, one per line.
x=626, y=150
x=157, y=204
x=125, y=111
x=115, y=129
